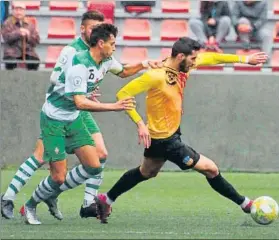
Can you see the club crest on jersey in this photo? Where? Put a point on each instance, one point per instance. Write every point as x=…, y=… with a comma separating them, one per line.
x=56, y=150
x=171, y=78
x=77, y=81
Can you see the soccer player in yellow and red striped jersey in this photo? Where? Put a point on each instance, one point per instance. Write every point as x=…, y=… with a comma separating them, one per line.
x=161, y=135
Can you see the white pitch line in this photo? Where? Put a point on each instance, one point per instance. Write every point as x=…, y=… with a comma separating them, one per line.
x=111, y=232
x=127, y=232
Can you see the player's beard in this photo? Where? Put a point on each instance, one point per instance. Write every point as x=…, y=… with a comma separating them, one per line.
x=87, y=39
x=183, y=67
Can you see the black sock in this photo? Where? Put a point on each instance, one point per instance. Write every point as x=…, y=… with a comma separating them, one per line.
x=222, y=186
x=125, y=183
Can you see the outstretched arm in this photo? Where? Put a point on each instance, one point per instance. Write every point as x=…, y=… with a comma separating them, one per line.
x=131, y=69
x=209, y=58
x=85, y=104
x=128, y=70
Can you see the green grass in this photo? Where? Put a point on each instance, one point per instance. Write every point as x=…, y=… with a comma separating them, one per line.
x=174, y=205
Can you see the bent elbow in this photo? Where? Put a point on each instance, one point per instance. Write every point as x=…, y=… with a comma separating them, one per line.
x=79, y=105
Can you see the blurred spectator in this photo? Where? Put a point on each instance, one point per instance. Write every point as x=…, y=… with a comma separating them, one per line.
x=4, y=10
x=20, y=37
x=214, y=24
x=250, y=21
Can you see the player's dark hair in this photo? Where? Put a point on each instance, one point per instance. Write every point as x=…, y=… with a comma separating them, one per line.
x=92, y=15
x=185, y=45
x=102, y=32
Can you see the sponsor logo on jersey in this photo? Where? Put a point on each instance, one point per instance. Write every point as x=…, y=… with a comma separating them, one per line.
x=188, y=161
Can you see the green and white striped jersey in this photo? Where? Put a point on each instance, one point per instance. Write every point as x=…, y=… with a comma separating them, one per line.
x=82, y=77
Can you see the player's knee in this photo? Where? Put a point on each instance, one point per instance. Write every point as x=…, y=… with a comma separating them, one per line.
x=39, y=153
x=211, y=170
x=95, y=165
x=207, y=167
x=59, y=178
x=148, y=173
x=39, y=157
x=102, y=153
x=153, y=174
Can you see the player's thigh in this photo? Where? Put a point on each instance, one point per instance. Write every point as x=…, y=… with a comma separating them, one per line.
x=181, y=154
x=58, y=171
x=207, y=167
x=53, y=135
x=39, y=151
x=89, y=122
x=77, y=136
x=154, y=158
x=80, y=142
x=150, y=167
x=88, y=156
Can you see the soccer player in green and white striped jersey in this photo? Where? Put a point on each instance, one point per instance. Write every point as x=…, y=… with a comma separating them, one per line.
x=62, y=126
x=28, y=168
x=35, y=161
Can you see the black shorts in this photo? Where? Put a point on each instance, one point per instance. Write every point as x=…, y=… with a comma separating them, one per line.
x=174, y=150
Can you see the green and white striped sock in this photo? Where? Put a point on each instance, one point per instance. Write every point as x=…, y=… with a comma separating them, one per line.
x=44, y=190
x=92, y=186
x=23, y=174
x=77, y=176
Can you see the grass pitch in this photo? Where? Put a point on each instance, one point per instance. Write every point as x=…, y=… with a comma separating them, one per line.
x=174, y=205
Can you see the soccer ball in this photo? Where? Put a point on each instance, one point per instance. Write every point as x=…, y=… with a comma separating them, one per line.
x=264, y=210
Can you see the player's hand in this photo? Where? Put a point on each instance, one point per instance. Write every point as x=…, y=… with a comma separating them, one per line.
x=125, y=104
x=144, y=136
x=152, y=63
x=155, y=64
x=94, y=97
x=257, y=58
